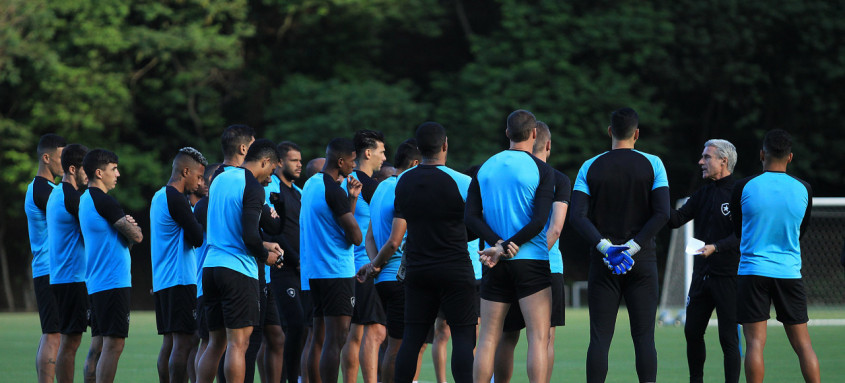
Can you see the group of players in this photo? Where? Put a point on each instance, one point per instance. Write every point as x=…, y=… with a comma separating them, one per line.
x=310, y=281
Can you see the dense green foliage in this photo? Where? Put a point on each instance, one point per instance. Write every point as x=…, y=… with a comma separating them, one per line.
x=144, y=78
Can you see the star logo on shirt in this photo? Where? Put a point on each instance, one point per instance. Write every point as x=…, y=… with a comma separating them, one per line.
x=291, y=292
x=726, y=209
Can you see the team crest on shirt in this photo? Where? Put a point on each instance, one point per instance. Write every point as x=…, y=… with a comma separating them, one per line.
x=291, y=292
x=726, y=209
x=352, y=301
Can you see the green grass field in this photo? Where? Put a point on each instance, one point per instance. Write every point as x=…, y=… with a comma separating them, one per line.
x=19, y=334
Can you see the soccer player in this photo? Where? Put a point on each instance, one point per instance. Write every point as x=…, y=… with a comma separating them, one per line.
x=384, y=241
x=621, y=197
x=715, y=266
x=431, y=200
x=387, y=170
x=109, y=234
x=35, y=205
x=67, y=259
x=201, y=213
x=770, y=213
x=311, y=348
x=174, y=233
x=509, y=203
x=236, y=141
x=328, y=225
x=367, y=332
x=230, y=271
x=503, y=369
x=285, y=281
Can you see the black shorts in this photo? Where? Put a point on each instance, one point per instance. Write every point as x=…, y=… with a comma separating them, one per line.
x=514, y=321
x=756, y=294
x=333, y=297
x=441, y=315
x=48, y=309
x=558, y=300
x=72, y=299
x=231, y=299
x=269, y=310
x=176, y=309
x=307, y=307
x=392, y=295
x=111, y=312
x=202, y=321
x=427, y=289
x=368, y=308
x=92, y=321
x=510, y=281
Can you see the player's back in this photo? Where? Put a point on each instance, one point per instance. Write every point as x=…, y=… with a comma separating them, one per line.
x=432, y=199
x=774, y=206
x=619, y=184
x=173, y=258
x=381, y=223
x=35, y=204
x=109, y=262
x=327, y=254
x=226, y=247
x=508, y=183
x=67, y=250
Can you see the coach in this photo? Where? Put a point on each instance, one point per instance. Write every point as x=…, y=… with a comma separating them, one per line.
x=714, y=269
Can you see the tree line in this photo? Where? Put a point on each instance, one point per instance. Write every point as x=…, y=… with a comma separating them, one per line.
x=144, y=78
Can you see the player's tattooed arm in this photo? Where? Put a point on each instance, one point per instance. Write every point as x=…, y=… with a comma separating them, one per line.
x=130, y=230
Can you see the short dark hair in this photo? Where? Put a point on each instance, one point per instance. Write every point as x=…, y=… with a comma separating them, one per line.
x=367, y=139
x=98, y=159
x=260, y=149
x=543, y=135
x=50, y=142
x=285, y=146
x=430, y=138
x=193, y=154
x=209, y=172
x=623, y=123
x=234, y=136
x=406, y=153
x=337, y=148
x=777, y=144
x=520, y=124
x=72, y=155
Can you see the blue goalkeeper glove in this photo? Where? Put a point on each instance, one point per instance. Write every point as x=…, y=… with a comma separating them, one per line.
x=627, y=262
x=613, y=257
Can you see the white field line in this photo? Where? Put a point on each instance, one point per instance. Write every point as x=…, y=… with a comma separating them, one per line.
x=813, y=322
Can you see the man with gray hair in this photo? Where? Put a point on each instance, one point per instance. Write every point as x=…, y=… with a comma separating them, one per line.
x=715, y=266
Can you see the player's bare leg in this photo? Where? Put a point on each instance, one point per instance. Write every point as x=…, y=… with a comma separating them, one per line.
x=537, y=311
x=489, y=333
x=164, y=358
x=66, y=357
x=107, y=366
x=89, y=371
x=503, y=366
x=374, y=335
x=45, y=359
x=755, y=342
x=799, y=338
x=349, y=354
x=439, y=353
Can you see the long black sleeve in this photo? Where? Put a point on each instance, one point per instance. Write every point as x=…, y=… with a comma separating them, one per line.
x=250, y=217
x=727, y=243
x=678, y=217
x=180, y=211
x=474, y=217
x=659, y=216
x=268, y=224
x=578, y=217
x=736, y=208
